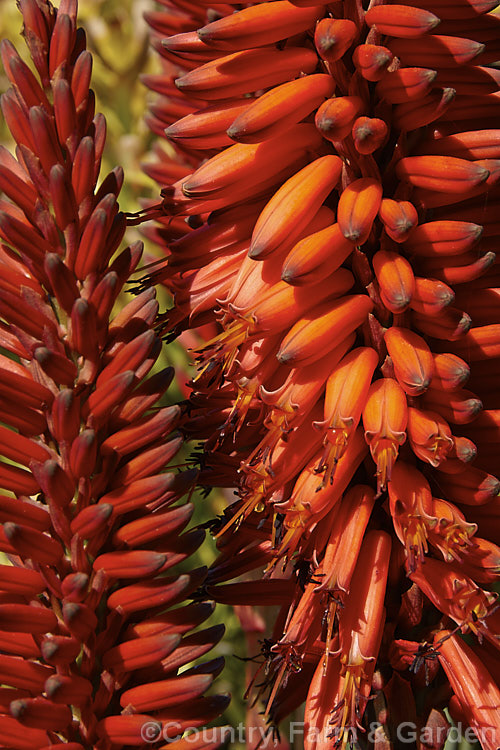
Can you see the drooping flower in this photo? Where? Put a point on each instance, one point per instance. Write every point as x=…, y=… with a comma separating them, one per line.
x=319, y=140
x=475, y=689
x=92, y=523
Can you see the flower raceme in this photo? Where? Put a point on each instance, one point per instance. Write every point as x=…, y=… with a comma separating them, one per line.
x=91, y=523
x=330, y=208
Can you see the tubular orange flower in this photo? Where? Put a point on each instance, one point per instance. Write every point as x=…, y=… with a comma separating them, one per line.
x=346, y=391
x=259, y=26
x=369, y=134
x=338, y=567
x=333, y=37
x=401, y=21
x=452, y=534
x=338, y=319
x=457, y=596
x=335, y=117
x=396, y=281
x=297, y=198
x=385, y=416
x=430, y=297
x=429, y=436
x=472, y=684
x=244, y=72
x=372, y=61
x=357, y=209
x=412, y=360
x=406, y=84
x=316, y=256
x=361, y=625
x=412, y=510
x=280, y=108
x=399, y=218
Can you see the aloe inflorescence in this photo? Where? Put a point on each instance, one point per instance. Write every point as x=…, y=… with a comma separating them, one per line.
x=330, y=201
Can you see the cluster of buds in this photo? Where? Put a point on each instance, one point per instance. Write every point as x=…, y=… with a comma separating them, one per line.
x=94, y=651
x=330, y=210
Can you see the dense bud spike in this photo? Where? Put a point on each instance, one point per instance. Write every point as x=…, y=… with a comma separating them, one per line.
x=82, y=425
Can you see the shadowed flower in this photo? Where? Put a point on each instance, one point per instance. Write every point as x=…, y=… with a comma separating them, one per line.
x=91, y=523
x=476, y=691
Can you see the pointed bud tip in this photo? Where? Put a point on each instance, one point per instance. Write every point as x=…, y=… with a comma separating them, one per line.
x=234, y=132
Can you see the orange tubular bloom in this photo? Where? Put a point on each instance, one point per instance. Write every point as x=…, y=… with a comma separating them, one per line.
x=430, y=296
x=339, y=690
x=323, y=691
x=333, y=37
x=262, y=477
x=338, y=564
x=396, y=280
x=346, y=391
x=399, y=218
x=252, y=164
x=406, y=84
x=259, y=26
x=335, y=118
x=459, y=407
x=323, y=329
x=434, y=50
x=471, y=486
x=476, y=690
x=372, y=61
x=301, y=389
x=290, y=404
x=255, y=278
x=420, y=112
x=316, y=256
x=481, y=560
x=443, y=174
x=311, y=498
x=369, y=134
x=357, y=209
x=385, y=417
x=294, y=202
x=280, y=305
x=452, y=535
x=246, y=71
x=457, y=596
x=411, y=510
x=438, y=238
x=277, y=110
x=412, y=360
x=401, y=20
x=429, y=436
x=450, y=372
x=207, y=127
x=360, y=633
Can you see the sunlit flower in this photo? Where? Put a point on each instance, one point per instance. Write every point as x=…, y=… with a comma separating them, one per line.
x=475, y=689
